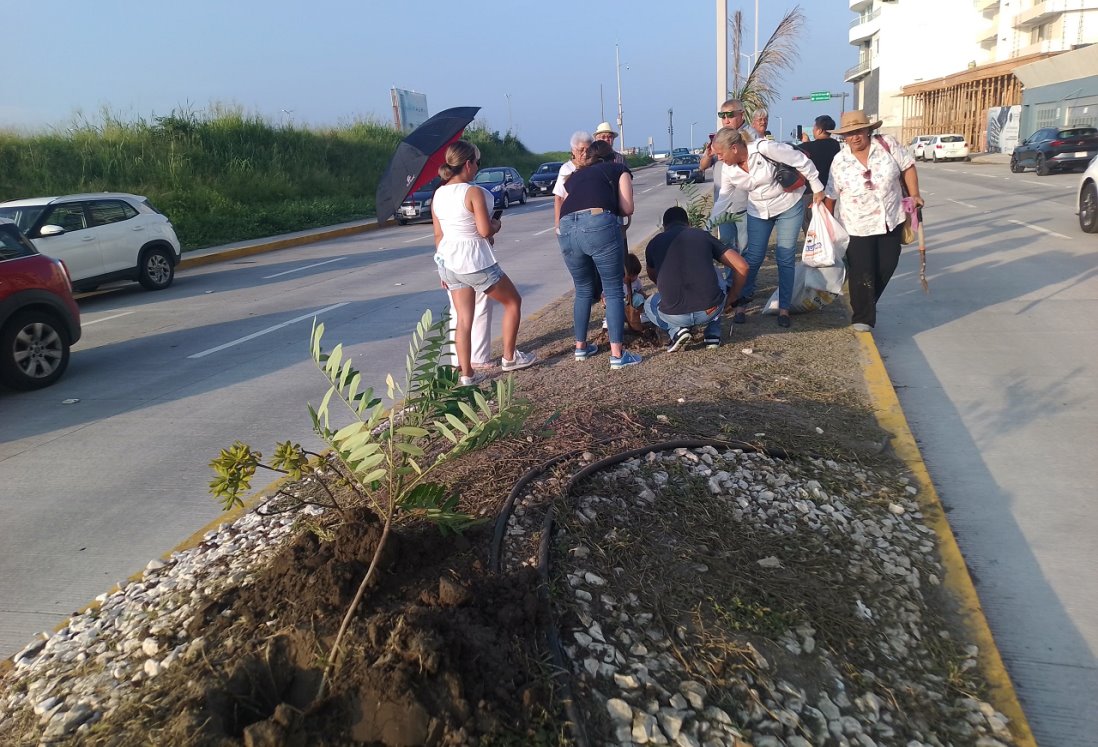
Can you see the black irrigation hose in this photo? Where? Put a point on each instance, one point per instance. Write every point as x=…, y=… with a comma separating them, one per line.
x=552, y=634
x=495, y=553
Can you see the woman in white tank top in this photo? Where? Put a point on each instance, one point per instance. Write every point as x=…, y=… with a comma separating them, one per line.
x=466, y=262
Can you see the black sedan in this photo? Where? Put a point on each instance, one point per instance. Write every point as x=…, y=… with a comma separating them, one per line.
x=1055, y=149
x=543, y=179
x=683, y=169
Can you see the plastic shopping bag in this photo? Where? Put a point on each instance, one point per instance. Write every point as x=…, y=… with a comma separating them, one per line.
x=805, y=299
x=828, y=279
x=825, y=241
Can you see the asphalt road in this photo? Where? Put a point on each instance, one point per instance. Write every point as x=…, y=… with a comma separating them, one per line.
x=108, y=468
x=996, y=371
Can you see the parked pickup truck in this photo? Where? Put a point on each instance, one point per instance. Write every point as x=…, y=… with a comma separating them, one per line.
x=1055, y=149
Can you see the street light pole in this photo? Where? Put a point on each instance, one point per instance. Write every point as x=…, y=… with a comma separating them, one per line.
x=510, y=126
x=621, y=127
x=692, y=135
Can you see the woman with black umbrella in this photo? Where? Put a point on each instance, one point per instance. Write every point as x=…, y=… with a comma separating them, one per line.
x=466, y=262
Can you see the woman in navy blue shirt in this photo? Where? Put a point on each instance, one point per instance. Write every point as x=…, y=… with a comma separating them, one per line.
x=599, y=193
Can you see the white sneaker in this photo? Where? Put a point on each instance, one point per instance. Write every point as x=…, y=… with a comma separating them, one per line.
x=473, y=380
x=521, y=360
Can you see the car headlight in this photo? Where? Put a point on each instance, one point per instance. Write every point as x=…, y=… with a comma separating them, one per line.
x=497, y=188
x=427, y=202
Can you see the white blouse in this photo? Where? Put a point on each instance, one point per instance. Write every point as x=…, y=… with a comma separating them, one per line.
x=765, y=197
x=869, y=197
x=462, y=249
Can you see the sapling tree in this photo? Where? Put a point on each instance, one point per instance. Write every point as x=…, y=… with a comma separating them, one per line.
x=391, y=454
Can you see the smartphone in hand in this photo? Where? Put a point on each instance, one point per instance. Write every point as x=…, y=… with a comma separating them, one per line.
x=498, y=214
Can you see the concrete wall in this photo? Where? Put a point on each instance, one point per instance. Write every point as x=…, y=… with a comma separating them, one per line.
x=1060, y=104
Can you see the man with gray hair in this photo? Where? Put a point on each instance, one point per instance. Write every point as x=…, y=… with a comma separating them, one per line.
x=729, y=203
x=760, y=119
x=579, y=142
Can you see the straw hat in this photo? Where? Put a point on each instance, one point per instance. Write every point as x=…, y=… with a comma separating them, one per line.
x=854, y=120
x=605, y=127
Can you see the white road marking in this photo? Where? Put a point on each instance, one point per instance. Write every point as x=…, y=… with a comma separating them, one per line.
x=306, y=267
x=965, y=204
x=107, y=318
x=547, y=230
x=262, y=332
x=646, y=191
x=987, y=176
x=1038, y=228
x=419, y=238
x=1050, y=184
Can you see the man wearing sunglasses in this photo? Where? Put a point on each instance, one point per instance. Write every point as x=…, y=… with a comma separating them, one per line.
x=729, y=203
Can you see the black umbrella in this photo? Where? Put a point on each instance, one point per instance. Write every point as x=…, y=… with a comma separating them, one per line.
x=418, y=157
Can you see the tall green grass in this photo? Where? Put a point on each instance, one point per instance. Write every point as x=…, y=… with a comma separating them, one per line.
x=224, y=175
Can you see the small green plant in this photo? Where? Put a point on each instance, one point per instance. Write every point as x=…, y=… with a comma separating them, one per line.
x=753, y=617
x=699, y=205
x=389, y=453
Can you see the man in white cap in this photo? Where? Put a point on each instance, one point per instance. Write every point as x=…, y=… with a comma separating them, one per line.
x=605, y=132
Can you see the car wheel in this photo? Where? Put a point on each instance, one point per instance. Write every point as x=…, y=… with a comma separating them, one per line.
x=522, y=198
x=402, y=221
x=506, y=203
x=1088, y=208
x=156, y=271
x=1042, y=166
x=34, y=350
x=1016, y=167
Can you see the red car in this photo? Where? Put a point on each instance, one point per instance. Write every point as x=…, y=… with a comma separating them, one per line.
x=39, y=320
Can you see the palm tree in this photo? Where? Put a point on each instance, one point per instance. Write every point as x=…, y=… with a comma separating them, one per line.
x=775, y=58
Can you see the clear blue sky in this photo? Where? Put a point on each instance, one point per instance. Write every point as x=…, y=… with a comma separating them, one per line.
x=328, y=62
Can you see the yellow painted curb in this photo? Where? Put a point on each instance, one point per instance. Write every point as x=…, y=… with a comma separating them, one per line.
x=270, y=246
x=890, y=416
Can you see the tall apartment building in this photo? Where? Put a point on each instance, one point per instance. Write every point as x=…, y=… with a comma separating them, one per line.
x=908, y=42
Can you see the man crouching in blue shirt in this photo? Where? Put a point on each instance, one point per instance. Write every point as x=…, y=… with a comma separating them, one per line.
x=689, y=291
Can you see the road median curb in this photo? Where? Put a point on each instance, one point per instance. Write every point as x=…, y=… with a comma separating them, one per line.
x=891, y=417
x=262, y=246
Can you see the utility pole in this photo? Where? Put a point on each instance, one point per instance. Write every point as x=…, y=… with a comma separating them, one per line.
x=722, y=51
x=621, y=127
x=671, y=127
x=510, y=124
x=602, y=106
x=755, y=57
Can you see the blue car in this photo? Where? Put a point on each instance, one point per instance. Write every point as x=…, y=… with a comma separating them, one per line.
x=505, y=184
x=684, y=169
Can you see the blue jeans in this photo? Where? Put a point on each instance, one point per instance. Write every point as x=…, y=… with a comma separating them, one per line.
x=591, y=247
x=758, y=236
x=672, y=323
x=729, y=235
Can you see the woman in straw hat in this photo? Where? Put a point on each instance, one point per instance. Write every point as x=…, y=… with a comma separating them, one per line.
x=865, y=179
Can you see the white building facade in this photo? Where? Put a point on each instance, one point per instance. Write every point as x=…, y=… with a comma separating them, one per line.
x=901, y=42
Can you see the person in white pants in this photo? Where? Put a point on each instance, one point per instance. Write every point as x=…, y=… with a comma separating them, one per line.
x=481, y=354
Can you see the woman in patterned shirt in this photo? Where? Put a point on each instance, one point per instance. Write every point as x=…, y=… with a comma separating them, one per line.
x=865, y=179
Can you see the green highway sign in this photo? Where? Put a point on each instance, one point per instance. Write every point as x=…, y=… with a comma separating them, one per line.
x=820, y=96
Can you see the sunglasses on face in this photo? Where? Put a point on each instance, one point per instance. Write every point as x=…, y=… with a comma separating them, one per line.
x=729, y=115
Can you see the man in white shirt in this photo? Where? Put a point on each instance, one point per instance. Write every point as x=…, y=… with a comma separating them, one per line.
x=727, y=204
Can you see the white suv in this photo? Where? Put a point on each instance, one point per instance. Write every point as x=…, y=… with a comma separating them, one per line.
x=101, y=237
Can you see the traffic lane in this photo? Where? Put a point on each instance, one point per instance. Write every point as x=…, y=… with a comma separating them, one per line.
x=990, y=206
x=139, y=472
x=1000, y=394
